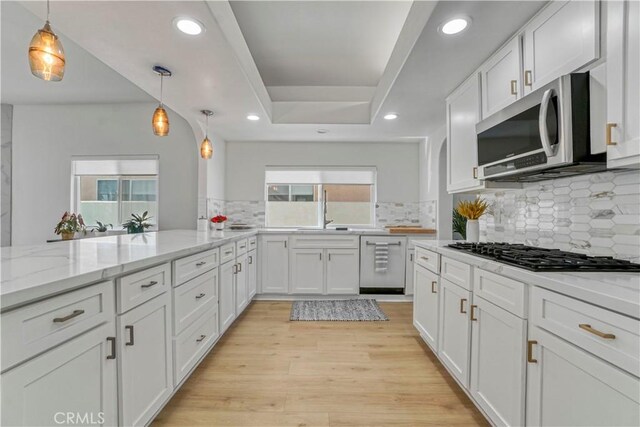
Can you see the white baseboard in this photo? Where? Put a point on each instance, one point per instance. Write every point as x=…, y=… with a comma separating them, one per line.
x=379, y=298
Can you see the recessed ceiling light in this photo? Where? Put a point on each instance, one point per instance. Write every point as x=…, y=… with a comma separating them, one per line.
x=253, y=117
x=455, y=25
x=322, y=131
x=189, y=26
x=391, y=116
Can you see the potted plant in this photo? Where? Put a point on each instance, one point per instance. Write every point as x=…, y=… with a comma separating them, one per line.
x=101, y=228
x=137, y=223
x=472, y=211
x=69, y=225
x=459, y=224
x=218, y=222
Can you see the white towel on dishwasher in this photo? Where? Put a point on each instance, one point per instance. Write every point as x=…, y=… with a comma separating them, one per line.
x=381, y=257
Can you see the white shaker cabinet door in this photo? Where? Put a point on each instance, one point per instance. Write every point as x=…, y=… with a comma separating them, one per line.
x=500, y=78
x=274, y=261
x=227, y=295
x=498, y=363
x=77, y=380
x=343, y=271
x=241, y=283
x=622, y=131
x=568, y=386
x=455, y=330
x=425, y=305
x=307, y=272
x=145, y=360
x=562, y=39
x=252, y=275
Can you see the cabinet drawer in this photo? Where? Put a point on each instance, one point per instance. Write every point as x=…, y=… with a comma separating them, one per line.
x=137, y=288
x=227, y=253
x=582, y=324
x=187, y=268
x=322, y=242
x=456, y=272
x=193, y=343
x=427, y=259
x=37, y=327
x=253, y=243
x=242, y=246
x=503, y=292
x=194, y=298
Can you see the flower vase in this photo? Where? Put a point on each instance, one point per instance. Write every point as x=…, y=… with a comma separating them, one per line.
x=473, y=230
x=219, y=226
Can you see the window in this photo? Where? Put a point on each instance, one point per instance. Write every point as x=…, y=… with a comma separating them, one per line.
x=109, y=191
x=295, y=197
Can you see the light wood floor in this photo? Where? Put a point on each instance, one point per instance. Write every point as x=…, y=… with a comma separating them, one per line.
x=268, y=371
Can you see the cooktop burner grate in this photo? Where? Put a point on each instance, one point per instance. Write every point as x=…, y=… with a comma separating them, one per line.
x=542, y=259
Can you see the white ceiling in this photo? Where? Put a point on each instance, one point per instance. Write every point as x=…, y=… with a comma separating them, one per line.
x=131, y=37
x=321, y=43
x=86, y=79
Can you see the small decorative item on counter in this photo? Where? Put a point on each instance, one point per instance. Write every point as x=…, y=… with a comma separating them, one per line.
x=138, y=223
x=472, y=210
x=69, y=225
x=100, y=229
x=218, y=222
x=459, y=224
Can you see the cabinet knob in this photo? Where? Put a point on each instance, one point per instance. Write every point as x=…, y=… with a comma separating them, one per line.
x=609, y=140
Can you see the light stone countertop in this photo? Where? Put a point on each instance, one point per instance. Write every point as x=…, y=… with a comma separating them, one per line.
x=30, y=273
x=615, y=291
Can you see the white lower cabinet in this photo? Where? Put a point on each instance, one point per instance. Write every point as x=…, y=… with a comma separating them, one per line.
x=74, y=383
x=252, y=274
x=307, y=271
x=227, y=295
x=145, y=360
x=343, y=273
x=566, y=386
x=274, y=262
x=454, y=336
x=408, y=281
x=498, y=363
x=425, y=305
x=194, y=342
x=240, y=284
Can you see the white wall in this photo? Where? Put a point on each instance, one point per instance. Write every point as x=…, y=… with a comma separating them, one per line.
x=433, y=179
x=46, y=136
x=397, y=164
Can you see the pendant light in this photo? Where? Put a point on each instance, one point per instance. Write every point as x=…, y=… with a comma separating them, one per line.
x=160, y=120
x=206, y=148
x=46, y=55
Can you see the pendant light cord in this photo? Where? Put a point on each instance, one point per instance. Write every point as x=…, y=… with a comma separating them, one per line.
x=47, y=10
x=161, y=88
x=206, y=127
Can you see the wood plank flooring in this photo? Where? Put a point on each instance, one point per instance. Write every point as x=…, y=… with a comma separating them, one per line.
x=268, y=371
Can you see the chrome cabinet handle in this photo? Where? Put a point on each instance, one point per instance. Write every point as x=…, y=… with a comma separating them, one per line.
x=200, y=296
x=201, y=263
x=150, y=284
x=250, y=259
x=475, y=173
x=433, y=287
x=462, y=310
x=201, y=338
x=75, y=313
x=530, y=345
x=239, y=267
x=424, y=258
x=514, y=87
x=235, y=268
x=473, y=312
x=609, y=140
x=528, y=78
x=596, y=332
x=130, y=329
x=112, y=340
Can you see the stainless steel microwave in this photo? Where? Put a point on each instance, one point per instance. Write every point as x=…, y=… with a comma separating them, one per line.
x=544, y=135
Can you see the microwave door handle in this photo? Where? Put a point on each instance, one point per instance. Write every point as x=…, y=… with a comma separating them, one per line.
x=542, y=123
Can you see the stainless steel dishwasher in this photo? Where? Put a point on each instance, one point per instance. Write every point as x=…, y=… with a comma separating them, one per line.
x=382, y=264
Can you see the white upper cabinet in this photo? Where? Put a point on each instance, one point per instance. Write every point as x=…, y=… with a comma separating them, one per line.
x=622, y=131
x=463, y=112
x=500, y=78
x=561, y=39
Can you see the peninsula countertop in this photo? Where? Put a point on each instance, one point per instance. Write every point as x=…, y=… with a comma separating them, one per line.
x=617, y=291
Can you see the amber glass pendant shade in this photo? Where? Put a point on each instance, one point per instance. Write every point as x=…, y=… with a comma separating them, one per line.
x=46, y=55
x=160, y=122
x=206, y=149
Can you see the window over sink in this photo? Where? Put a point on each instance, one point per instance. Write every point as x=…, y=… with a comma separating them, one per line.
x=295, y=197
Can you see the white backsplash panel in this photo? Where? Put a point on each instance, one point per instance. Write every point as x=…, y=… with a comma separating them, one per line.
x=245, y=211
x=396, y=213
x=593, y=214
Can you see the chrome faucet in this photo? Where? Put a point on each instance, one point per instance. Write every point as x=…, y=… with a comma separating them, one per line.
x=324, y=212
